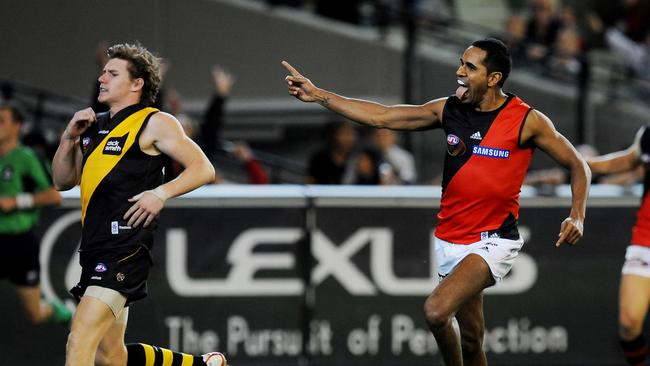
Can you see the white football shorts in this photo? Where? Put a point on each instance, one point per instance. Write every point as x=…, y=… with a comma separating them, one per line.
x=637, y=261
x=498, y=253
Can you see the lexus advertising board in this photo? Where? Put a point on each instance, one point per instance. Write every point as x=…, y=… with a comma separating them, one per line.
x=232, y=279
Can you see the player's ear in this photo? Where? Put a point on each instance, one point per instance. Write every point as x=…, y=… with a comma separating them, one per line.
x=137, y=84
x=494, y=78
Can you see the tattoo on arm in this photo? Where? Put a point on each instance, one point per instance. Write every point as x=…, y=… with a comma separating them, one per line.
x=323, y=100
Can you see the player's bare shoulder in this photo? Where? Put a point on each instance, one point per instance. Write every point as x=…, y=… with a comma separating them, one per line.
x=161, y=126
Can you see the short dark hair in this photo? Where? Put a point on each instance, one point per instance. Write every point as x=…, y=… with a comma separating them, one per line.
x=497, y=57
x=142, y=64
x=16, y=112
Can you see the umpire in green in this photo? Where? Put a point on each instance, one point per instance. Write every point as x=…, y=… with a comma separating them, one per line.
x=25, y=186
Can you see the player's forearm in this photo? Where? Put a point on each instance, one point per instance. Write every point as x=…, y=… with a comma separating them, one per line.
x=361, y=111
x=196, y=174
x=65, y=173
x=580, y=183
x=48, y=197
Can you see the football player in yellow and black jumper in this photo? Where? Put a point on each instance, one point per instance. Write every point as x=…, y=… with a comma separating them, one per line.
x=25, y=186
x=117, y=158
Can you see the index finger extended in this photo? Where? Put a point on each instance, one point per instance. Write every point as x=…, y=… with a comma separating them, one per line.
x=291, y=69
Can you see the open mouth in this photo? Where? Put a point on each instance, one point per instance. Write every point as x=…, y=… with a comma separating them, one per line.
x=461, y=92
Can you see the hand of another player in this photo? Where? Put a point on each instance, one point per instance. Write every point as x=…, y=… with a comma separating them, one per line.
x=299, y=86
x=570, y=232
x=79, y=123
x=146, y=208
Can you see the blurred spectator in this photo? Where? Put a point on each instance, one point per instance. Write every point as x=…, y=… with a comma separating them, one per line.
x=514, y=36
x=435, y=11
x=244, y=155
x=542, y=29
x=368, y=167
x=101, y=57
x=588, y=26
x=634, y=22
x=400, y=160
x=343, y=10
x=328, y=164
x=567, y=59
x=213, y=118
x=636, y=56
x=36, y=141
x=212, y=122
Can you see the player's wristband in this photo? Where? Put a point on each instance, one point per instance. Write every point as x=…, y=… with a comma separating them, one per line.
x=24, y=201
x=160, y=193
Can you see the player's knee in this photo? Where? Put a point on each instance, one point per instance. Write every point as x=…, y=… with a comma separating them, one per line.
x=435, y=313
x=629, y=322
x=73, y=343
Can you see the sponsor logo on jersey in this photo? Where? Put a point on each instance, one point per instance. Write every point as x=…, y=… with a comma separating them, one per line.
x=116, y=228
x=490, y=152
x=114, y=145
x=476, y=136
x=103, y=132
x=101, y=267
x=455, y=146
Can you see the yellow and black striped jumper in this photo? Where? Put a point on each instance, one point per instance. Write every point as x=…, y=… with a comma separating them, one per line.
x=113, y=254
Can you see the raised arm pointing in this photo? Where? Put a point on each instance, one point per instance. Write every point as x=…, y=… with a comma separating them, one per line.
x=398, y=117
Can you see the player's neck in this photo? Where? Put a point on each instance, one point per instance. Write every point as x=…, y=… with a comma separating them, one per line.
x=118, y=106
x=7, y=146
x=492, y=100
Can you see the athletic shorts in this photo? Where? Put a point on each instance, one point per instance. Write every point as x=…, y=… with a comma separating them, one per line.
x=19, y=260
x=637, y=261
x=499, y=254
x=124, y=270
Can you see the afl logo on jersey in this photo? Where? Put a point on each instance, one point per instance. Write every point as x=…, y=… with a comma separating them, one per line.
x=455, y=146
x=101, y=267
x=85, y=142
x=115, y=145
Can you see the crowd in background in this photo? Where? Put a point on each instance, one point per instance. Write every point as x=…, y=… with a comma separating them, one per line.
x=552, y=37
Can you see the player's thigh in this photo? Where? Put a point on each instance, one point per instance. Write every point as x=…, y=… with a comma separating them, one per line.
x=466, y=280
x=91, y=321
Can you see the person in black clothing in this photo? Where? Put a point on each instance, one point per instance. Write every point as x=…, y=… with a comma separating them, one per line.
x=213, y=118
x=328, y=164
